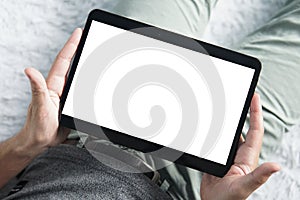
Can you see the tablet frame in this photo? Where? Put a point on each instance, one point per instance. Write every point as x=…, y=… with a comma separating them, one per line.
x=186, y=159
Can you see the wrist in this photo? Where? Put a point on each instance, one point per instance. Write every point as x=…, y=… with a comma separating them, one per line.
x=25, y=148
x=15, y=154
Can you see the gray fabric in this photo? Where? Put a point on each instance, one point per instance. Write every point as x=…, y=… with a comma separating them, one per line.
x=69, y=172
x=179, y=181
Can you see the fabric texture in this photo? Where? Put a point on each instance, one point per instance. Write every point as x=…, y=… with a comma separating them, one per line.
x=187, y=17
x=277, y=46
x=69, y=172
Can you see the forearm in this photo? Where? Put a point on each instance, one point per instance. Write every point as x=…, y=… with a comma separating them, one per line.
x=14, y=157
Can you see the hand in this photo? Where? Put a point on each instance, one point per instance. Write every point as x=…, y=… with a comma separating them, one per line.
x=41, y=129
x=244, y=176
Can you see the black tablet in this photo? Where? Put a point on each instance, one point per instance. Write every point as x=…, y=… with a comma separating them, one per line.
x=159, y=92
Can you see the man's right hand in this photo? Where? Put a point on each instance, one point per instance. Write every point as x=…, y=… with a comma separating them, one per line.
x=244, y=176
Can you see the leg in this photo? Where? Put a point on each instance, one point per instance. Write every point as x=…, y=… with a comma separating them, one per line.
x=187, y=17
x=277, y=45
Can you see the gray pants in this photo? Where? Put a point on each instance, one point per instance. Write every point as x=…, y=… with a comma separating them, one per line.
x=276, y=44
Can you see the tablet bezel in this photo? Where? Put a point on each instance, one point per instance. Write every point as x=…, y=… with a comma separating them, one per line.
x=172, y=38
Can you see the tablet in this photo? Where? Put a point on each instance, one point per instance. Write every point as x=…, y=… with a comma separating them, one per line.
x=159, y=92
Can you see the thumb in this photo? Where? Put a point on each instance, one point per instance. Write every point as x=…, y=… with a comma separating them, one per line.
x=38, y=85
x=258, y=177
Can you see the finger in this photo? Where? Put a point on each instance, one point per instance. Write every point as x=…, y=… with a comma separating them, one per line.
x=57, y=74
x=255, y=133
x=259, y=176
x=38, y=86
